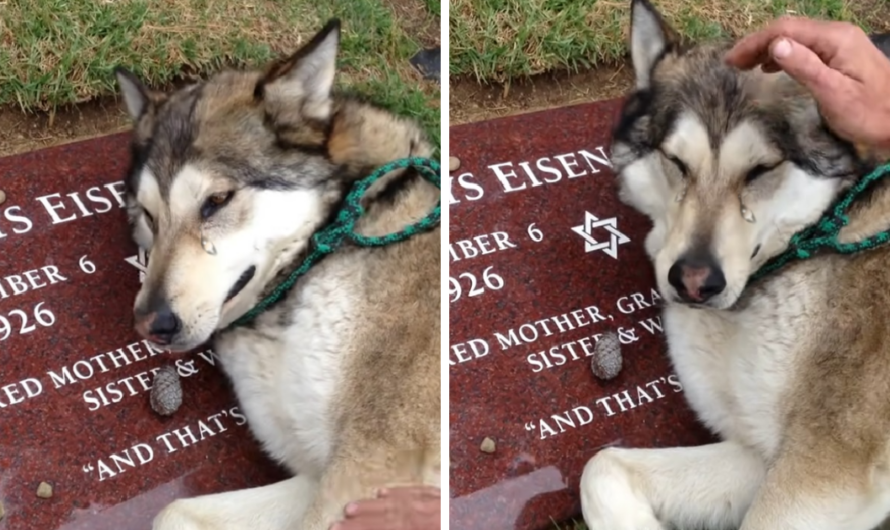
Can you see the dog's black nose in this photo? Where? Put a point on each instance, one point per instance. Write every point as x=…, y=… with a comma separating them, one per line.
x=159, y=326
x=696, y=280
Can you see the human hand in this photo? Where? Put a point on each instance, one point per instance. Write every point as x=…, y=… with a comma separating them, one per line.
x=405, y=508
x=848, y=76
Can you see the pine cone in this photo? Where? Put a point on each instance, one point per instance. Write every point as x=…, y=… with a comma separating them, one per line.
x=606, y=361
x=166, y=392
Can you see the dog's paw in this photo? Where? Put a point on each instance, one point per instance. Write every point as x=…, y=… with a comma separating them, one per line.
x=183, y=514
x=608, y=499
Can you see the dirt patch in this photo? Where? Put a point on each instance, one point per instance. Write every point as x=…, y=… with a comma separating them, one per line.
x=416, y=21
x=21, y=132
x=471, y=102
x=875, y=14
x=467, y=102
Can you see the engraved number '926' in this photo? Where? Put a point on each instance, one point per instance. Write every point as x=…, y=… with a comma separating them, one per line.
x=489, y=279
x=19, y=322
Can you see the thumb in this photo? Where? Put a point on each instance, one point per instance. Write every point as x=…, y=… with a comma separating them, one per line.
x=806, y=67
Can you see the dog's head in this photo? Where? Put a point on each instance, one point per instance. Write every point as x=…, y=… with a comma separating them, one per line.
x=231, y=176
x=727, y=164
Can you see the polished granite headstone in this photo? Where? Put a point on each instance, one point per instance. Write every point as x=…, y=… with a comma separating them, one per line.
x=544, y=260
x=74, y=375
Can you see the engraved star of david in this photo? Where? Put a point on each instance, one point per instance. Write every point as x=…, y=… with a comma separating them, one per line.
x=140, y=261
x=616, y=237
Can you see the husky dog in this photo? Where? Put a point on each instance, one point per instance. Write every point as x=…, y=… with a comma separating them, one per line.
x=791, y=371
x=340, y=380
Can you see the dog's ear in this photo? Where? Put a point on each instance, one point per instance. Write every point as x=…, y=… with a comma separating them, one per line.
x=307, y=75
x=650, y=39
x=136, y=96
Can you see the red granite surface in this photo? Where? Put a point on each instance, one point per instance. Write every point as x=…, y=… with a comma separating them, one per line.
x=510, y=394
x=68, y=431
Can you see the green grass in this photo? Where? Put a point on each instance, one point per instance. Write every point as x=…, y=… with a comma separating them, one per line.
x=434, y=6
x=501, y=40
x=375, y=57
x=58, y=52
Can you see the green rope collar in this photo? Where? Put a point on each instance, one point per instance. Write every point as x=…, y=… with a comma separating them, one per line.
x=333, y=236
x=823, y=234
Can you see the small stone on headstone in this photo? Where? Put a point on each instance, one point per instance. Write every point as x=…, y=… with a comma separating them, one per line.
x=2, y=511
x=453, y=163
x=2, y=196
x=487, y=445
x=606, y=361
x=44, y=490
x=166, y=392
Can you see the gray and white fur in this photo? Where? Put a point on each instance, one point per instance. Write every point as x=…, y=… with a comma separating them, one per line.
x=792, y=372
x=340, y=380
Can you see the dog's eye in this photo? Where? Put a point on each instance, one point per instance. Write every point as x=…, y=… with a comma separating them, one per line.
x=149, y=220
x=215, y=202
x=680, y=165
x=759, y=170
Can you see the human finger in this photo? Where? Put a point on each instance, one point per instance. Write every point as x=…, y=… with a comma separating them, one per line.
x=381, y=521
x=389, y=521
x=807, y=68
x=413, y=503
x=820, y=36
x=415, y=491
x=392, y=513
x=770, y=67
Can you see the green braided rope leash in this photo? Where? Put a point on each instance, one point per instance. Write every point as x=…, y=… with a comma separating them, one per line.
x=341, y=230
x=823, y=234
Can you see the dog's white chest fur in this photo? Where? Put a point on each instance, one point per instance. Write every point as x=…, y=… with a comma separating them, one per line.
x=286, y=372
x=736, y=367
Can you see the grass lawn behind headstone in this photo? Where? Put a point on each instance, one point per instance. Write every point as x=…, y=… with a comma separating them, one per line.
x=58, y=52
x=502, y=40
